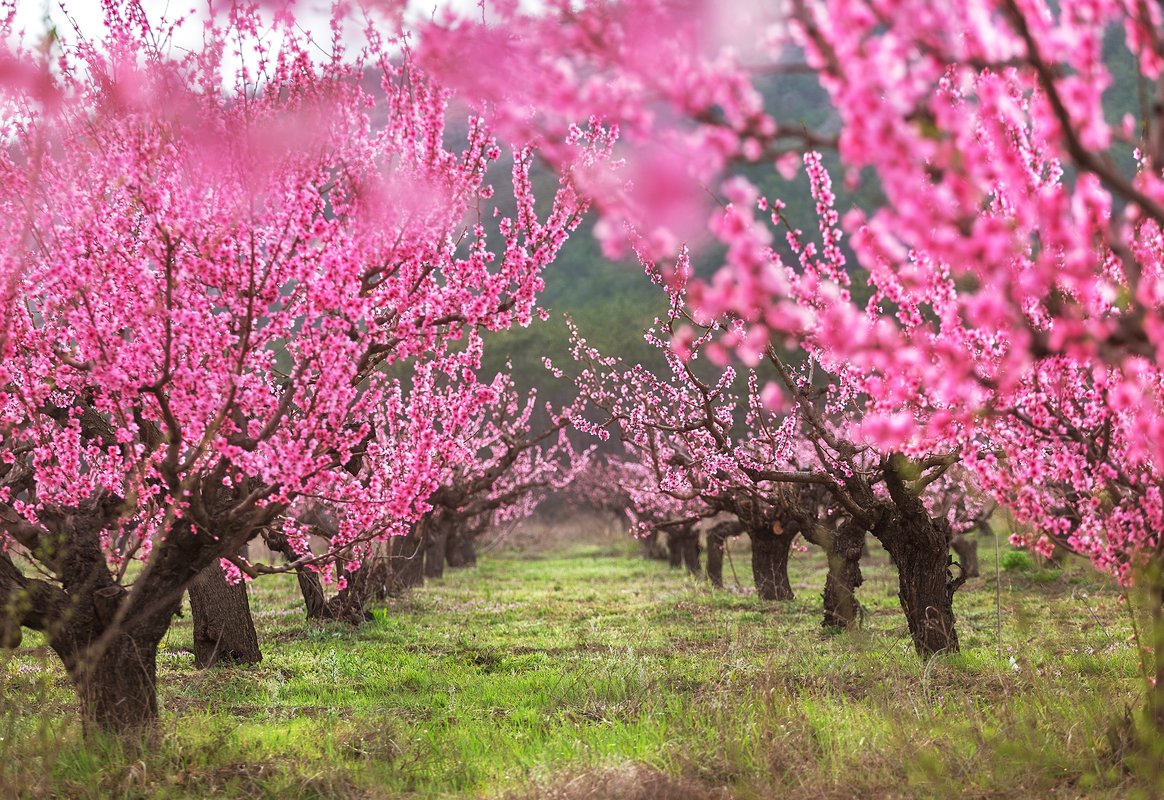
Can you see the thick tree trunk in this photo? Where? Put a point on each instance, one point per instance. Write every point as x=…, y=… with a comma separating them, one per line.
x=715, y=544
x=716, y=540
x=461, y=546
x=435, y=538
x=921, y=551
x=920, y=547
x=118, y=693
x=683, y=547
x=454, y=546
x=691, y=554
x=348, y=605
x=770, y=563
x=380, y=574
x=223, y=627
x=106, y=637
x=407, y=563
x=843, y=550
x=314, y=598
x=651, y=547
x=674, y=549
x=967, y=551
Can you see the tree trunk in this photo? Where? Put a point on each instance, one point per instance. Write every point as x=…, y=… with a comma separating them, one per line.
x=716, y=540
x=967, y=550
x=770, y=563
x=468, y=551
x=435, y=537
x=651, y=547
x=381, y=574
x=454, y=546
x=920, y=547
x=106, y=637
x=843, y=550
x=118, y=693
x=314, y=598
x=223, y=627
x=674, y=549
x=348, y=605
x=715, y=544
x=407, y=563
x=691, y=554
x=921, y=550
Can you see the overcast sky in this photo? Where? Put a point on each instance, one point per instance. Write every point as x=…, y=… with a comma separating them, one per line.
x=32, y=14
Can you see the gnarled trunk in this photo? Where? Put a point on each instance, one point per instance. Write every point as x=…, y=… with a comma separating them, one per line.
x=717, y=538
x=118, y=692
x=651, y=547
x=435, y=538
x=455, y=541
x=843, y=550
x=921, y=550
x=223, y=628
x=967, y=551
x=106, y=637
x=770, y=563
x=683, y=546
x=406, y=560
x=715, y=544
x=674, y=549
x=920, y=547
x=348, y=605
x=691, y=556
x=380, y=574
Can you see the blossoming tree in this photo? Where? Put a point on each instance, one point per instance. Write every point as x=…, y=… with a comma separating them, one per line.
x=205, y=269
x=1020, y=221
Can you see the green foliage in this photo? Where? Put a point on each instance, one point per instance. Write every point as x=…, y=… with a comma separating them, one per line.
x=1018, y=561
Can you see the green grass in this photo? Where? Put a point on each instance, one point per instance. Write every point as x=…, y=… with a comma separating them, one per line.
x=589, y=672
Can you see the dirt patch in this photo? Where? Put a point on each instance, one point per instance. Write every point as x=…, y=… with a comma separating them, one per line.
x=629, y=782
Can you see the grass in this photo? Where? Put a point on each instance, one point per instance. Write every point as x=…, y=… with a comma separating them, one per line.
x=586, y=671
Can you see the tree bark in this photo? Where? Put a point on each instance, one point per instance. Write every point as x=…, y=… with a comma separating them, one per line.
x=715, y=543
x=435, y=538
x=843, y=550
x=920, y=547
x=674, y=549
x=455, y=541
x=118, y=693
x=691, y=554
x=770, y=563
x=348, y=605
x=717, y=538
x=921, y=551
x=406, y=560
x=652, y=548
x=106, y=638
x=967, y=551
x=683, y=547
x=223, y=628
x=381, y=573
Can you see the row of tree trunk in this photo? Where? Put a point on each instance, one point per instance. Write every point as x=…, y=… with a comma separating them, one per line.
x=919, y=546
x=224, y=630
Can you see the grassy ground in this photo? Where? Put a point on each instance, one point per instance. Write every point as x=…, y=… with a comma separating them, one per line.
x=586, y=672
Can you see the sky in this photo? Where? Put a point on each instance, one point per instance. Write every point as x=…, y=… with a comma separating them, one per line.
x=34, y=18
x=32, y=14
